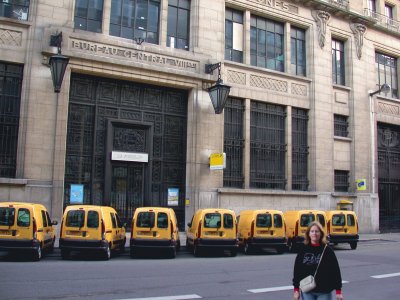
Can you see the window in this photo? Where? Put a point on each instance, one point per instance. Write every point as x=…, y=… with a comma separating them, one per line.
x=306, y=219
x=93, y=219
x=266, y=39
x=178, y=24
x=89, y=15
x=10, y=98
x=340, y=126
x=75, y=218
x=299, y=149
x=372, y=5
x=388, y=11
x=341, y=181
x=267, y=146
x=49, y=223
x=7, y=216
x=351, y=220
x=264, y=220
x=114, y=223
x=145, y=219
x=233, y=35
x=386, y=70
x=14, y=9
x=233, y=143
x=24, y=217
x=338, y=62
x=278, y=222
x=162, y=220
x=119, y=223
x=338, y=220
x=212, y=220
x=321, y=219
x=228, y=221
x=44, y=220
x=298, y=51
x=135, y=19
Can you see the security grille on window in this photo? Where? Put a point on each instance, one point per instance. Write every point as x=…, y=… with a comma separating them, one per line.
x=89, y=15
x=267, y=146
x=266, y=44
x=14, y=9
x=341, y=181
x=386, y=69
x=178, y=24
x=299, y=149
x=233, y=35
x=341, y=126
x=10, y=98
x=298, y=51
x=233, y=143
x=338, y=62
x=135, y=19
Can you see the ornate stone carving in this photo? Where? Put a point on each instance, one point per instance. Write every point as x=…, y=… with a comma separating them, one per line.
x=388, y=109
x=268, y=83
x=322, y=18
x=358, y=31
x=10, y=37
x=236, y=77
x=299, y=89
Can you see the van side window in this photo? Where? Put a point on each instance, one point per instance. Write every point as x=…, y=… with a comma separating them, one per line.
x=7, y=216
x=350, y=220
x=24, y=217
x=321, y=219
x=228, y=221
x=114, y=223
x=44, y=219
x=119, y=223
x=212, y=220
x=264, y=220
x=92, y=219
x=162, y=220
x=338, y=220
x=75, y=218
x=278, y=221
x=145, y=219
x=306, y=219
x=238, y=219
x=48, y=219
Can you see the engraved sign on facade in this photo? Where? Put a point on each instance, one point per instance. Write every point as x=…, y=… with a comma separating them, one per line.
x=134, y=55
x=278, y=4
x=129, y=156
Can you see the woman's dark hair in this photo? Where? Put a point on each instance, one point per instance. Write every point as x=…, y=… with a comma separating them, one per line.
x=322, y=239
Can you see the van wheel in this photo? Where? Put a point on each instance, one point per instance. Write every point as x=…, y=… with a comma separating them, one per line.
x=65, y=254
x=353, y=245
x=37, y=253
x=107, y=253
x=247, y=248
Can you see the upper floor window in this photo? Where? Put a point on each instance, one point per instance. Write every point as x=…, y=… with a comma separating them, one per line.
x=89, y=15
x=298, y=51
x=233, y=35
x=266, y=38
x=341, y=126
x=372, y=5
x=388, y=11
x=14, y=9
x=341, y=181
x=178, y=24
x=135, y=19
x=338, y=62
x=386, y=72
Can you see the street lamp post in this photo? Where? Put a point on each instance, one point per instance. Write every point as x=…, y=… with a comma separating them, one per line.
x=58, y=63
x=219, y=92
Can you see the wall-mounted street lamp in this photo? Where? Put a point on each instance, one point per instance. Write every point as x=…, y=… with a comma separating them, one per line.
x=385, y=88
x=219, y=92
x=58, y=63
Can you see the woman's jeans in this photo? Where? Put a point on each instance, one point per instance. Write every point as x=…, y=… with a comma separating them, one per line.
x=316, y=296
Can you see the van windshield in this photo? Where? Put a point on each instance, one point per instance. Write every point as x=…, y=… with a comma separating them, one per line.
x=7, y=216
x=145, y=219
x=23, y=217
x=264, y=220
x=306, y=219
x=338, y=220
x=75, y=218
x=212, y=220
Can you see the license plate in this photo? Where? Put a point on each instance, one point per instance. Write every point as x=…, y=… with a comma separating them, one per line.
x=338, y=230
x=211, y=233
x=264, y=232
x=145, y=233
x=5, y=232
x=75, y=233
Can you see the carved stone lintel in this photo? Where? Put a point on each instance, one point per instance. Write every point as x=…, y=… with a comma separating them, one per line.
x=358, y=31
x=322, y=18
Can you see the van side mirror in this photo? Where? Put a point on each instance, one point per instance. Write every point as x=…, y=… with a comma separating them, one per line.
x=189, y=224
x=54, y=222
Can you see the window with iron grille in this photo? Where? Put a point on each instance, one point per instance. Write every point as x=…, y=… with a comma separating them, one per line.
x=341, y=126
x=178, y=24
x=89, y=15
x=233, y=143
x=298, y=51
x=386, y=72
x=233, y=35
x=299, y=149
x=10, y=99
x=266, y=44
x=134, y=19
x=14, y=9
x=338, y=71
x=267, y=146
x=341, y=181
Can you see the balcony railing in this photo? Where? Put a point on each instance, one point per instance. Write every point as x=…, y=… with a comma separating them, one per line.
x=383, y=20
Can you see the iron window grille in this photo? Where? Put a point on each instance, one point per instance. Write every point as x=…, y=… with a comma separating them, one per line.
x=341, y=126
x=232, y=18
x=10, y=99
x=136, y=19
x=338, y=70
x=267, y=146
x=341, y=181
x=15, y=9
x=178, y=24
x=386, y=70
x=234, y=143
x=298, y=51
x=300, y=180
x=89, y=15
x=267, y=43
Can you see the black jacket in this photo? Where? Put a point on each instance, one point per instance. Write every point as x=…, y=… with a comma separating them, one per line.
x=328, y=277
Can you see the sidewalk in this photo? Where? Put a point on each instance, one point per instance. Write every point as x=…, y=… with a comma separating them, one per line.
x=364, y=237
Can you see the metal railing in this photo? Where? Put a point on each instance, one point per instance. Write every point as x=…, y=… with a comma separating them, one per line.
x=383, y=20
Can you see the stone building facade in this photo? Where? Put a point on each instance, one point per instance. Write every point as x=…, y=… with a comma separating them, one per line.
x=133, y=124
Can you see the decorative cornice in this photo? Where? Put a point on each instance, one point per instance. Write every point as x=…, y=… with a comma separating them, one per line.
x=322, y=18
x=358, y=31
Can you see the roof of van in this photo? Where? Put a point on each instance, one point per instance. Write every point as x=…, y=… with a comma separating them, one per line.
x=78, y=206
x=208, y=210
x=153, y=208
x=264, y=210
x=340, y=212
x=305, y=211
x=19, y=204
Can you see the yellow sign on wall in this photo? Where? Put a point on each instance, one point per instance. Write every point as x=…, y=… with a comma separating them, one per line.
x=217, y=161
x=361, y=184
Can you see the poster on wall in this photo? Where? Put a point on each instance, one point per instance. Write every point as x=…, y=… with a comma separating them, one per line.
x=361, y=184
x=76, y=195
x=173, y=197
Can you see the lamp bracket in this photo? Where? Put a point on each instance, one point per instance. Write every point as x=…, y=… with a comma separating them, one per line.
x=383, y=88
x=211, y=67
x=138, y=40
x=56, y=40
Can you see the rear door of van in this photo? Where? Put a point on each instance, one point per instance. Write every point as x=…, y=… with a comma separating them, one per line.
x=269, y=225
x=81, y=224
x=218, y=225
x=351, y=222
x=16, y=222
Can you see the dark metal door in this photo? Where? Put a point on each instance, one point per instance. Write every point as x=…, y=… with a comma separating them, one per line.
x=389, y=177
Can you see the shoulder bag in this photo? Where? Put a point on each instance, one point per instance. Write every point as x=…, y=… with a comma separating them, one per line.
x=308, y=283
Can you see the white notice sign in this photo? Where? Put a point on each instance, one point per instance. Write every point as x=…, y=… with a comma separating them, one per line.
x=129, y=156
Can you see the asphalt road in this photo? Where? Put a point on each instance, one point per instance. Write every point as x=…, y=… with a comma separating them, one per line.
x=261, y=276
